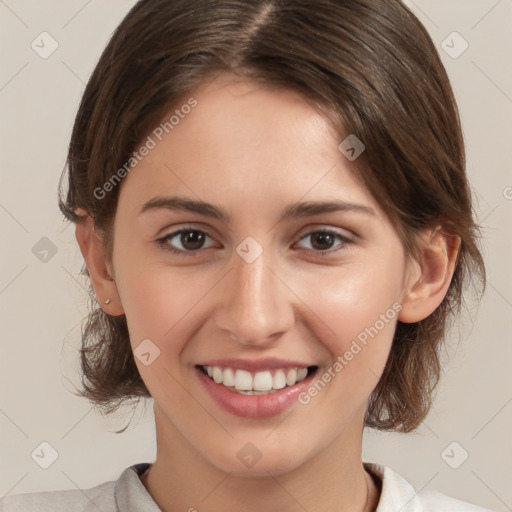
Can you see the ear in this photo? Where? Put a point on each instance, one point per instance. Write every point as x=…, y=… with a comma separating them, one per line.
x=100, y=271
x=429, y=275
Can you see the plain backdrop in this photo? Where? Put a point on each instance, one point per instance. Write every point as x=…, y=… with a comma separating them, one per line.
x=464, y=448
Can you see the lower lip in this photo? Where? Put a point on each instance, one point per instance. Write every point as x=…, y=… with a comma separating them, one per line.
x=254, y=406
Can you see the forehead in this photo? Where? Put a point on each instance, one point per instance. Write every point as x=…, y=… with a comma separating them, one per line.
x=244, y=140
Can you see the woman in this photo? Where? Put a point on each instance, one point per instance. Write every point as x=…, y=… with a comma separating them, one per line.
x=271, y=201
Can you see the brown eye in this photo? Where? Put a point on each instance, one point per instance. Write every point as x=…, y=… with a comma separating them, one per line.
x=323, y=241
x=190, y=240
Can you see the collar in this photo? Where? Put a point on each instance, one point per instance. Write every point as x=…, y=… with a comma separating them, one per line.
x=397, y=494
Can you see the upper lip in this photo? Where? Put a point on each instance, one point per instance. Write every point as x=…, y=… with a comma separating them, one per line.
x=254, y=365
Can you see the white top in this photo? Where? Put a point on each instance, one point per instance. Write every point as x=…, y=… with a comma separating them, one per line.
x=128, y=494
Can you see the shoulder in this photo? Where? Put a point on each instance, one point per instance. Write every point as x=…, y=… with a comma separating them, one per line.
x=125, y=493
x=433, y=501
x=398, y=494
x=100, y=497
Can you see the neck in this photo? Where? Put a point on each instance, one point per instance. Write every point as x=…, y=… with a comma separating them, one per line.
x=333, y=479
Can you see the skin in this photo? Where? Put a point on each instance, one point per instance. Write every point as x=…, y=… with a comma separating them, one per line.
x=254, y=151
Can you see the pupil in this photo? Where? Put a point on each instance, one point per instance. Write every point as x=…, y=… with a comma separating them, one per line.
x=192, y=239
x=323, y=238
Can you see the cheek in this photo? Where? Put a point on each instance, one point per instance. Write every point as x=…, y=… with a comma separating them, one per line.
x=163, y=305
x=360, y=310
x=356, y=310
x=160, y=302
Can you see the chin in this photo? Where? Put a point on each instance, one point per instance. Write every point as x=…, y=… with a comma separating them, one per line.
x=249, y=461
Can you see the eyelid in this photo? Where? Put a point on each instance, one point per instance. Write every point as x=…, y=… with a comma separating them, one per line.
x=329, y=229
x=183, y=227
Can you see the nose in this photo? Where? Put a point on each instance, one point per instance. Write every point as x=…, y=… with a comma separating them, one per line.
x=255, y=304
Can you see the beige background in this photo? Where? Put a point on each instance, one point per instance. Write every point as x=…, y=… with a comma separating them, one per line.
x=42, y=303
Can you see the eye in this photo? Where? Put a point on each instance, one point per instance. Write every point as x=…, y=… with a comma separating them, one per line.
x=191, y=240
x=323, y=240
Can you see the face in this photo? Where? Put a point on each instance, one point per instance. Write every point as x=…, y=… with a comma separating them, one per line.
x=248, y=294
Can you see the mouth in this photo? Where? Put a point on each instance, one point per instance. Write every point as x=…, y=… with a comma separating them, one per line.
x=257, y=383
x=255, y=392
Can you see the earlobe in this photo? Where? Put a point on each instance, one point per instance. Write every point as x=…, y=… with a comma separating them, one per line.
x=92, y=249
x=430, y=275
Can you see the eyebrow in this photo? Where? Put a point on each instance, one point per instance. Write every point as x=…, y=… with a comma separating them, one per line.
x=298, y=210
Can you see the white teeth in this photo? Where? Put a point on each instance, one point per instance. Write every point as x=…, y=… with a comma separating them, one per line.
x=217, y=374
x=258, y=383
x=243, y=380
x=279, y=380
x=256, y=392
x=301, y=374
x=229, y=377
x=262, y=381
x=291, y=377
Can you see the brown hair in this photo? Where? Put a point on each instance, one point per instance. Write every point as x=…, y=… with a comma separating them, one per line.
x=371, y=66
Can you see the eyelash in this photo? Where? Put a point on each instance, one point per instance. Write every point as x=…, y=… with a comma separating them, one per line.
x=164, y=241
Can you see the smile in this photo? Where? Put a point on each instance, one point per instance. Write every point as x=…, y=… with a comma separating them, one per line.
x=258, y=390
x=256, y=383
